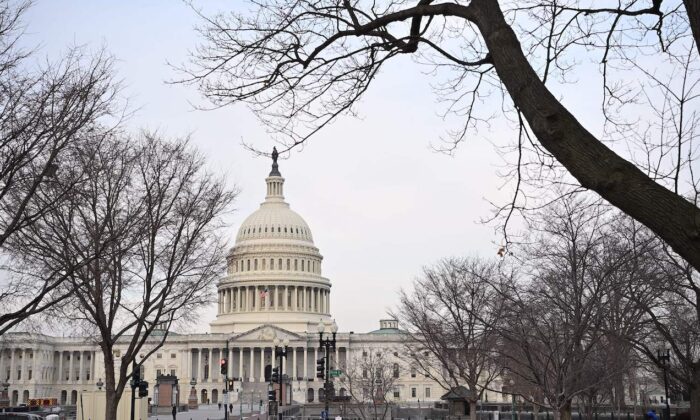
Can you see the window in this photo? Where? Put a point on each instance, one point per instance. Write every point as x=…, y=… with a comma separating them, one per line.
x=279, y=264
x=413, y=393
x=396, y=394
x=157, y=373
x=172, y=372
x=29, y=375
x=364, y=354
x=159, y=356
x=295, y=265
x=427, y=394
x=364, y=373
x=396, y=370
x=396, y=354
x=272, y=263
x=255, y=264
x=288, y=264
x=413, y=372
x=248, y=265
x=173, y=355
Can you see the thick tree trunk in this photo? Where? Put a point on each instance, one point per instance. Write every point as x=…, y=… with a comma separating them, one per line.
x=692, y=7
x=472, y=410
x=695, y=393
x=593, y=164
x=111, y=397
x=565, y=411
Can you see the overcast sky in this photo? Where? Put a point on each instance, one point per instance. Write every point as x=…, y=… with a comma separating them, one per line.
x=380, y=202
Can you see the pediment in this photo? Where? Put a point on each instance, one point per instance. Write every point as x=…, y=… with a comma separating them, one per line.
x=267, y=334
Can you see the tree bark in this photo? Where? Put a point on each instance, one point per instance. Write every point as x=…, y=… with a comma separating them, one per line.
x=565, y=411
x=111, y=400
x=593, y=164
x=695, y=392
x=692, y=8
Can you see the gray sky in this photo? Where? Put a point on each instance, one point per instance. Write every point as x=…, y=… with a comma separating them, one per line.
x=380, y=202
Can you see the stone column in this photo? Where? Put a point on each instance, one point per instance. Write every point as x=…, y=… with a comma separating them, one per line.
x=294, y=363
x=200, y=376
x=238, y=299
x=306, y=361
x=60, y=367
x=70, y=366
x=3, y=368
x=81, y=363
x=240, y=363
x=251, y=365
x=337, y=359
x=262, y=364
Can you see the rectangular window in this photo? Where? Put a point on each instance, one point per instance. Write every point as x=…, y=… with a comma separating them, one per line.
x=159, y=356
x=413, y=393
x=157, y=373
x=413, y=372
x=427, y=393
x=173, y=355
x=172, y=372
x=396, y=394
x=29, y=375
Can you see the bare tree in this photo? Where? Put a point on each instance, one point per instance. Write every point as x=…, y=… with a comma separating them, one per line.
x=569, y=322
x=301, y=63
x=148, y=218
x=672, y=317
x=451, y=318
x=369, y=380
x=43, y=114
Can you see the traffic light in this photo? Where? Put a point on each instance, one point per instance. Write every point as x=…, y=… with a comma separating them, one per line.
x=224, y=366
x=143, y=389
x=275, y=377
x=271, y=395
x=321, y=368
x=135, y=378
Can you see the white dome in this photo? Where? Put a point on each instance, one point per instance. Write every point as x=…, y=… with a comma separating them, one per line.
x=273, y=271
x=274, y=220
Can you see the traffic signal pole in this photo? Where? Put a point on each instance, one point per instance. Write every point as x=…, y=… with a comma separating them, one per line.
x=224, y=370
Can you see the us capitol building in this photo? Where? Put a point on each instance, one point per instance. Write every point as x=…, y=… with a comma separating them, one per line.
x=274, y=290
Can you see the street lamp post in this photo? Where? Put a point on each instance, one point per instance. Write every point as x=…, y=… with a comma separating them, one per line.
x=512, y=393
x=327, y=344
x=665, y=359
x=281, y=349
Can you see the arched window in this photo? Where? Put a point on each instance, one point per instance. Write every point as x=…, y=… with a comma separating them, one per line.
x=413, y=372
x=247, y=265
x=263, y=263
x=310, y=395
x=396, y=370
x=295, y=265
x=285, y=229
x=279, y=264
x=288, y=264
x=279, y=229
x=272, y=263
x=302, y=265
x=255, y=263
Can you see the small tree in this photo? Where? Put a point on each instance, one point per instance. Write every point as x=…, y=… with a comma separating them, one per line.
x=369, y=380
x=148, y=218
x=451, y=318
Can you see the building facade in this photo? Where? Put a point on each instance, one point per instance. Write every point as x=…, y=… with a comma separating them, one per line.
x=274, y=288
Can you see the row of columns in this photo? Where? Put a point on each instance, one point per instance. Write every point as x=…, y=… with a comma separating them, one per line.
x=15, y=369
x=276, y=298
x=248, y=363
x=277, y=264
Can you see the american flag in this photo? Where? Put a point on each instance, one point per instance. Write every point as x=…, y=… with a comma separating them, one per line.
x=263, y=294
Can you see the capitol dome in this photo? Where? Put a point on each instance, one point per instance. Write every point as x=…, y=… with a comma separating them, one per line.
x=274, y=268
